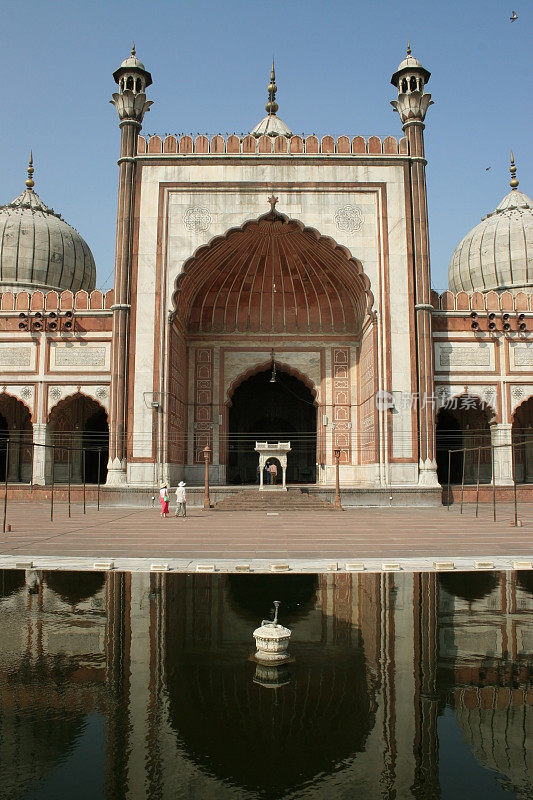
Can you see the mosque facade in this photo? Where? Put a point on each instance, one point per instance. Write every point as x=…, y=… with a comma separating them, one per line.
x=267, y=287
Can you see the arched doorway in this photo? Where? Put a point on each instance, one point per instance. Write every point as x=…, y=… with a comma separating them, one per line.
x=464, y=424
x=79, y=424
x=523, y=441
x=15, y=426
x=263, y=409
x=273, y=282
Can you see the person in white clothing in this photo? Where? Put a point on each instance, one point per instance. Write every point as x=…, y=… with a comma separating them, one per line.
x=181, y=499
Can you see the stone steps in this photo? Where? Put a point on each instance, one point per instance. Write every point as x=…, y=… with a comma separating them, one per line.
x=254, y=500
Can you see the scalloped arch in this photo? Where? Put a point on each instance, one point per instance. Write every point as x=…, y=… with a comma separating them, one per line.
x=272, y=274
x=14, y=397
x=488, y=406
x=263, y=367
x=520, y=405
x=64, y=401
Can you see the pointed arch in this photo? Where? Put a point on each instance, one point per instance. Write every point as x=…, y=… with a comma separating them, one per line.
x=65, y=401
x=7, y=397
x=79, y=430
x=263, y=367
x=252, y=278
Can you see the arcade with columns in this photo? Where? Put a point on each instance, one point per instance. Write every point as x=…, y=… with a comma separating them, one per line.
x=268, y=287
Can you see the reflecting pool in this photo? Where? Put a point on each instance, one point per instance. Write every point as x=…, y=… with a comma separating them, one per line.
x=125, y=686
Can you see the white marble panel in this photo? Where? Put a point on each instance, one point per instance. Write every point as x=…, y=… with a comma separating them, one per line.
x=80, y=356
x=464, y=357
x=17, y=356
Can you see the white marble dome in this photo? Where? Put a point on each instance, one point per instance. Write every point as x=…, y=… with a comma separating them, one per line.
x=39, y=250
x=498, y=253
x=271, y=125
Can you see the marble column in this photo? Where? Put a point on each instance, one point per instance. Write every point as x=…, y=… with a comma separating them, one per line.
x=42, y=456
x=501, y=439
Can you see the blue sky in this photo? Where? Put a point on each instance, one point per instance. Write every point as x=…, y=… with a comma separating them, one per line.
x=210, y=62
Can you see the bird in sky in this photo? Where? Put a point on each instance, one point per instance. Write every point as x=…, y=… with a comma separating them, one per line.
x=513, y=16
x=487, y=169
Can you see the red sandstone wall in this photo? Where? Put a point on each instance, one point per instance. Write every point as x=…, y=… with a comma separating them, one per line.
x=368, y=421
x=177, y=399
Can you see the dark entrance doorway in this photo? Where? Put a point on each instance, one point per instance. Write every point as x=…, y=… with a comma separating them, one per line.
x=263, y=410
x=465, y=425
x=95, y=441
x=449, y=436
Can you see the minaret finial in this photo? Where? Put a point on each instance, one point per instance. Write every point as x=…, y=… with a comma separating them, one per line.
x=271, y=107
x=29, y=181
x=408, y=48
x=133, y=49
x=513, y=183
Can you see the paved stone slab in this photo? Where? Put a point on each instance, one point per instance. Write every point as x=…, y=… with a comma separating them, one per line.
x=309, y=541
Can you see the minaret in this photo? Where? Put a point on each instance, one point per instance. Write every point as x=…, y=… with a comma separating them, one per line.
x=131, y=104
x=412, y=104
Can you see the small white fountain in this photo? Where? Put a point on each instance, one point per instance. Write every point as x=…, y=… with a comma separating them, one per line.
x=272, y=640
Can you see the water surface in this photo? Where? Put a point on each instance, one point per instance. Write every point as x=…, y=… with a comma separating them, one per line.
x=123, y=686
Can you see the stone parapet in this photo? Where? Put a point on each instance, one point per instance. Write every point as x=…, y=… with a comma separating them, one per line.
x=54, y=301
x=250, y=145
x=482, y=301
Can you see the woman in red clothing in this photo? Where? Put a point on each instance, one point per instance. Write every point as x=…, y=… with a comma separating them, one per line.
x=163, y=499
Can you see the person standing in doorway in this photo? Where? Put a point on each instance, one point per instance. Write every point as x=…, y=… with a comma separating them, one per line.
x=266, y=474
x=273, y=473
x=163, y=499
x=181, y=499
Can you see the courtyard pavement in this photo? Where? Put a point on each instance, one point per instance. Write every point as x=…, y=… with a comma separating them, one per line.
x=373, y=539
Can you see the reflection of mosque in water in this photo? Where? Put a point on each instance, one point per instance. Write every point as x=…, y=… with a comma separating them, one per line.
x=160, y=665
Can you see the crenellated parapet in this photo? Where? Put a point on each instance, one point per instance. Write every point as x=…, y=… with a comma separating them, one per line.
x=482, y=301
x=278, y=145
x=57, y=301
x=56, y=312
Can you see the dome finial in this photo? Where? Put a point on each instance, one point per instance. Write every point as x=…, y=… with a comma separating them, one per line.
x=408, y=48
x=133, y=49
x=29, y=181
x=271, y=107
x=513, y=183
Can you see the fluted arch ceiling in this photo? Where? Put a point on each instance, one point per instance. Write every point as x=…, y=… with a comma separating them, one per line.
x=273, y=275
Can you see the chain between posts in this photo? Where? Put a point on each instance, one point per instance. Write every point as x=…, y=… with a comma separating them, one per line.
x=52, y=484
x=492, y=447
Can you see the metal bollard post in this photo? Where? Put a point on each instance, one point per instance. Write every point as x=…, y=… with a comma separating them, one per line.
x=32, y=464
x=514, y=489
x=449, y=476
x=68, y=468
x=98, y=490
x=463, y=479
x=477, y=487
x=493, y=486
x=5, y=487
x=52, y=486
